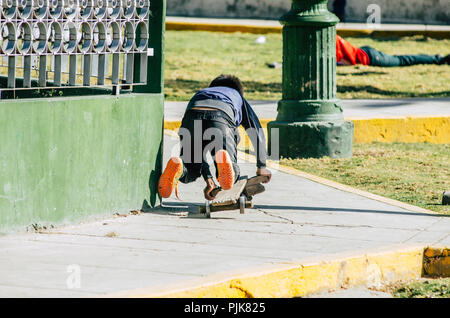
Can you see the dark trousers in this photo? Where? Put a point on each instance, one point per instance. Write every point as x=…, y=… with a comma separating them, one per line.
x=339, y=9
x=204, y=131
x=378, y=58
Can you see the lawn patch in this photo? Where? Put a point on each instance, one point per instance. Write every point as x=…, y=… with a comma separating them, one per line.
x=414, y=173
x=425, y=288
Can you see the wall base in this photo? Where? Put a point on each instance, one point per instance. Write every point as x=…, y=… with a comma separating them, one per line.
x=63, y=159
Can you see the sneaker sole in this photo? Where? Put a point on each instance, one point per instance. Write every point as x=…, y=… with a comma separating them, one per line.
x=171, y=174
x=225, y=170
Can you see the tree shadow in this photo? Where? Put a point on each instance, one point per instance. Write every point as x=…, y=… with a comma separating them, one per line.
x=376, y=90
x=411, y=36
x=186, y=85
x=364, y=73
x=395, y=38
x=192, y=86
x=252, y=86
x=176, y=209
x=381, y=105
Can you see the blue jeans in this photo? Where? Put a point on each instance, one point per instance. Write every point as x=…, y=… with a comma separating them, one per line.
x=378, y=58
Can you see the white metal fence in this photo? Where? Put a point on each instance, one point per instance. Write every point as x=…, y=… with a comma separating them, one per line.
x=70, y=43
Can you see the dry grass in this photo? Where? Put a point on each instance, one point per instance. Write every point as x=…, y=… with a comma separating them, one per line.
x=417, y=174
x=194, y=58
x=425, y=288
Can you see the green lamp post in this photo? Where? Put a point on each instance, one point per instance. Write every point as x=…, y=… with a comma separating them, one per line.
x=310, y=122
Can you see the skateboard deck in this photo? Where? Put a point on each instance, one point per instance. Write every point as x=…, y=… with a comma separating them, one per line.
x=238, y=197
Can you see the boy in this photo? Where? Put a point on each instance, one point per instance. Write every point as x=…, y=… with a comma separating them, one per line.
x=347, y=54
x=216, y=111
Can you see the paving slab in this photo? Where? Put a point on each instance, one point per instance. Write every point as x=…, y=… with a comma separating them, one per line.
x=294, y=219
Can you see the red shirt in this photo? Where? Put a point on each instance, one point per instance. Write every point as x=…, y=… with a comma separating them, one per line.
x=345, y=50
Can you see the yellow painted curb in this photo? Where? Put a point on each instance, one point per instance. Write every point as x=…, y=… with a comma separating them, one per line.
x=375, y=269
x=437, y=262
x=172, y=125
x=432, y=129
x=255, y=29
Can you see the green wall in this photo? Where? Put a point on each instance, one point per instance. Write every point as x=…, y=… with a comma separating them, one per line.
x=63, y=159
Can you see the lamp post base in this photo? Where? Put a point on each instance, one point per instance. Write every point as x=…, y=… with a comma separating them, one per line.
x=313, y=139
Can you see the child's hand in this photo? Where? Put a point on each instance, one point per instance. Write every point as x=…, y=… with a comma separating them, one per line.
x=210, y=185
x=264, y=172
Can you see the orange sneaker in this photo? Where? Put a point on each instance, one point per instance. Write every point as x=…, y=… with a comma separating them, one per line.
x=225, y=170
x=170, y=176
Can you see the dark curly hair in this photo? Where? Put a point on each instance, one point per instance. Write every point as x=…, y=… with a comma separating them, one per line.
x=228, y=81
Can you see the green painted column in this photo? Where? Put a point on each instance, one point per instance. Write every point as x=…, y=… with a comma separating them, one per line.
x=310, y=119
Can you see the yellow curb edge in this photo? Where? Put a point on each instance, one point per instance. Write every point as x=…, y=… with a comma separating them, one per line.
x=375, y=269
x=432, y=129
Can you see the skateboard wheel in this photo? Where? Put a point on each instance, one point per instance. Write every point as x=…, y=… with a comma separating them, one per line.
x=208, y=209
x=242, y=204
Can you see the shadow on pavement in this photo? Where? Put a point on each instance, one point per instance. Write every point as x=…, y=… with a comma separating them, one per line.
x=375, y=90
x=364, y=73
x=325, y=209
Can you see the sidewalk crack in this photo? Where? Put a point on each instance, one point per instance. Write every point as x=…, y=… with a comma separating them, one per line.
x=313, y=224
x=442, y=239
x=277, y=216
x=422, y=231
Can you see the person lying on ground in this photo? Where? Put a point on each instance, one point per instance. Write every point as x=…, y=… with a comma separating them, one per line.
x=347, y=54
x=216, y=111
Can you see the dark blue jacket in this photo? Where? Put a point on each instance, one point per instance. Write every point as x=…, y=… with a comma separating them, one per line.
x=239, y=111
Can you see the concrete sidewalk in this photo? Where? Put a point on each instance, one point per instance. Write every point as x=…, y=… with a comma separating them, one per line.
x=340, y=26
x=273, y=26
x=353, y=108
x=294, y=219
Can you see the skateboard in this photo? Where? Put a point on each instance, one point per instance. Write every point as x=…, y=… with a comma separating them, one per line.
x=239, y=197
